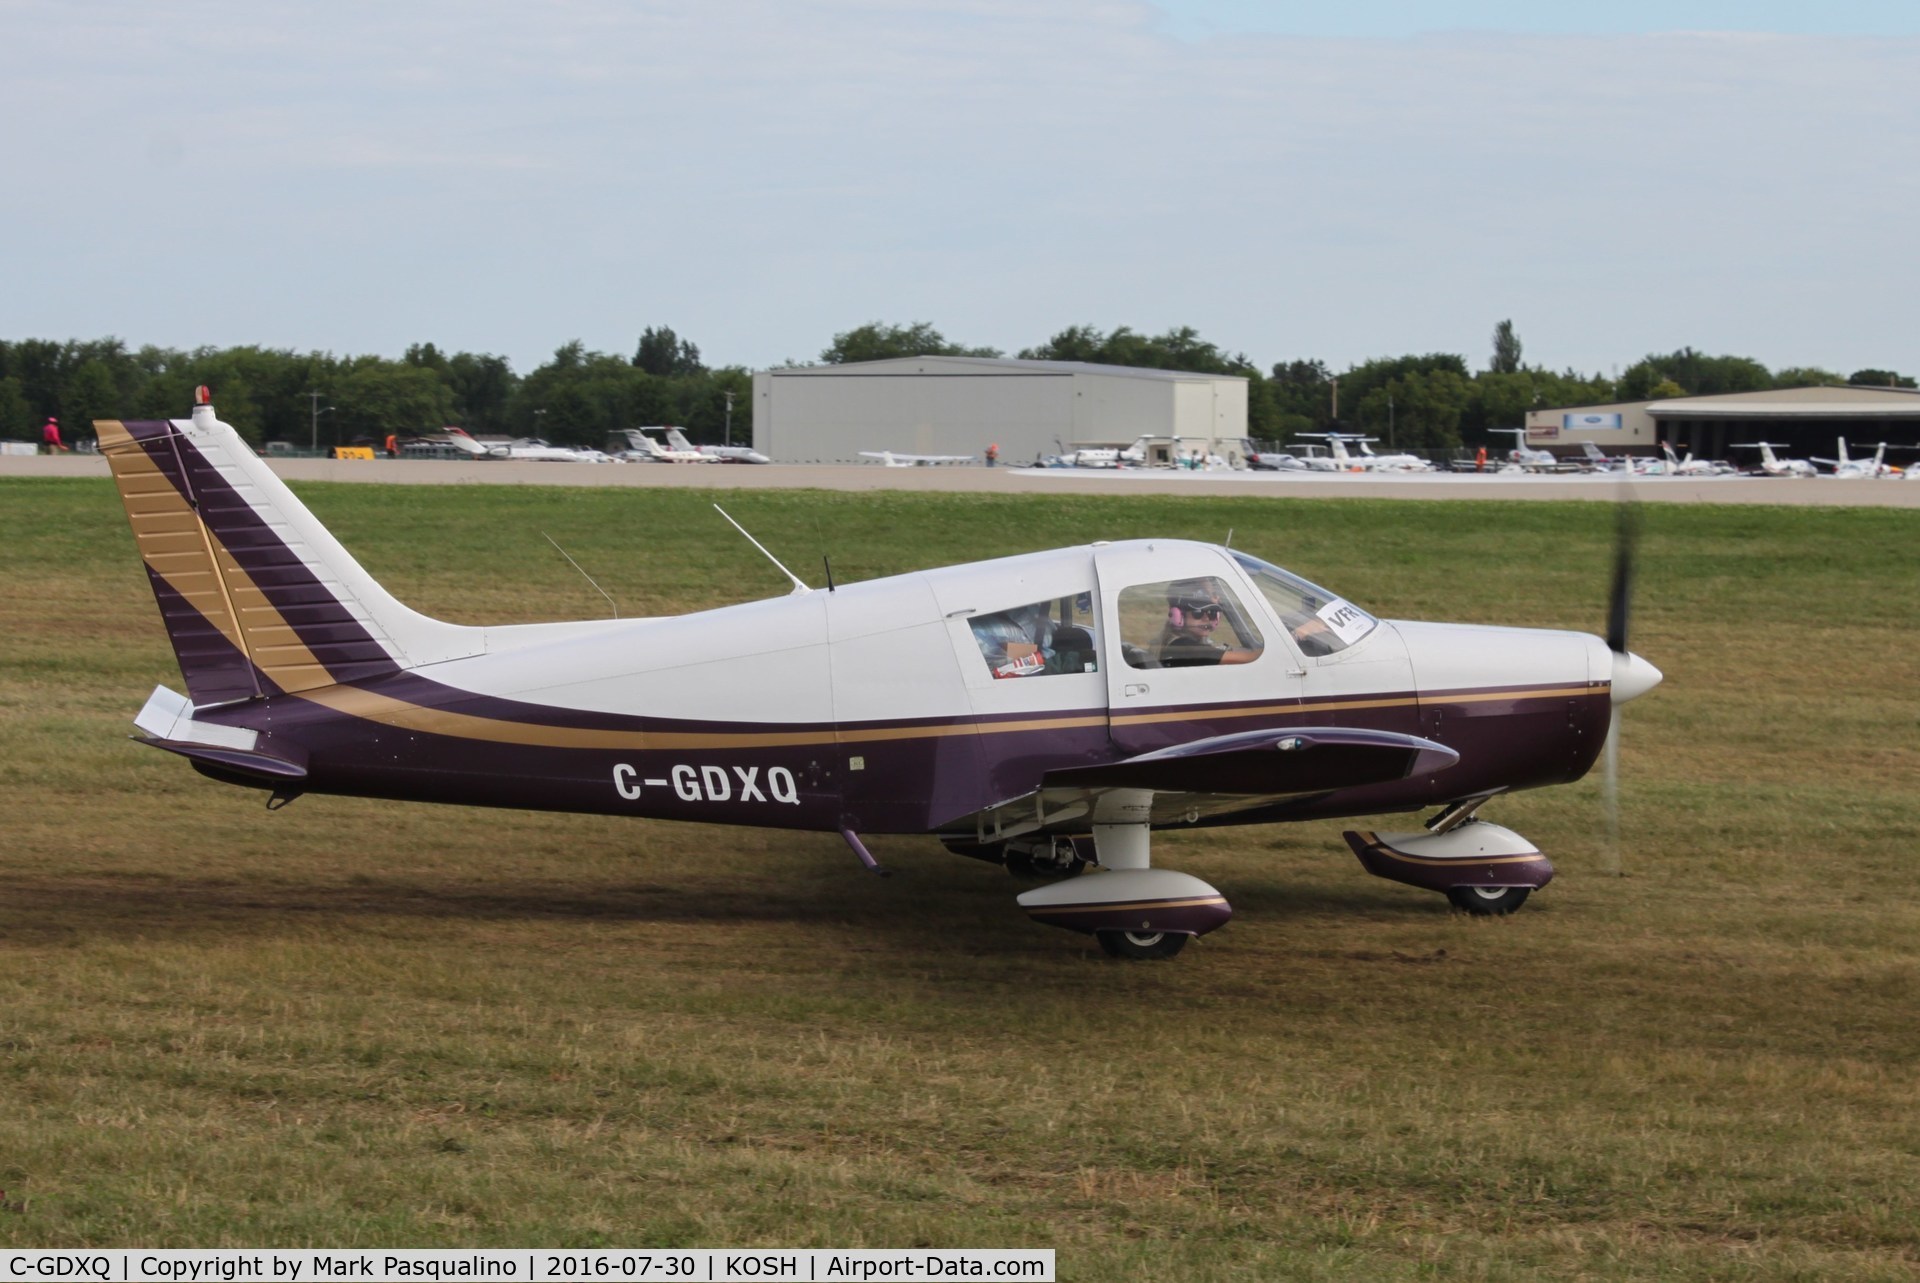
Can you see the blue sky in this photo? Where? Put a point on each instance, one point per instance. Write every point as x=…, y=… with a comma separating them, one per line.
x=761, y=174
x=1201, y=18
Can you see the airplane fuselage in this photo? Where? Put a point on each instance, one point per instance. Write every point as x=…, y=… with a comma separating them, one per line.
x=868, y=709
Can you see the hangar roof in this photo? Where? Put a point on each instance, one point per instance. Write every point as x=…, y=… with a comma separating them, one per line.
x=998, y=364
x=1851, y=401
x=1842, y=400
x=1708, y=408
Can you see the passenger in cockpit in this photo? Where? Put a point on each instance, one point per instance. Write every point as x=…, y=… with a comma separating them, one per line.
x=1017, y=642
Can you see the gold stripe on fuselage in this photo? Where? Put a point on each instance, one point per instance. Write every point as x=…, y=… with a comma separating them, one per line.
x=355, y=701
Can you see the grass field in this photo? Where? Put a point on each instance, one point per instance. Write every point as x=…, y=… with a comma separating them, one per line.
x=360, y=1024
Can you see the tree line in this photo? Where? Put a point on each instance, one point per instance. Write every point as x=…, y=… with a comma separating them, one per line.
x=1436, y=401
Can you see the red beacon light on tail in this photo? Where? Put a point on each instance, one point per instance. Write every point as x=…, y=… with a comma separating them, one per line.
x=203, y=395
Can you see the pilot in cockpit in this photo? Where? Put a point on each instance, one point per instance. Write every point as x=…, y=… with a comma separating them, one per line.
x=1193, y=617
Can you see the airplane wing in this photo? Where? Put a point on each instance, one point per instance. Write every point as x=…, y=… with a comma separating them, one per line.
x=1218, y=776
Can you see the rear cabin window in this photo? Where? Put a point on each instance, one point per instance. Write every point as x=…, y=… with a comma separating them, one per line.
x=1186, y=623
x=1040, y=639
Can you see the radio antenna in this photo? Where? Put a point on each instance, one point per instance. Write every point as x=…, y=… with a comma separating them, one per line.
x=583, y=574
x=798, y=587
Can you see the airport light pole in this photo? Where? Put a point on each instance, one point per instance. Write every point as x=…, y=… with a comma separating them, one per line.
x=313, y=405
x=729, y=428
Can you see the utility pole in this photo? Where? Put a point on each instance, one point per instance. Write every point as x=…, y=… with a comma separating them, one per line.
x=1390, y=421
x=313, y=406
x=729, y=428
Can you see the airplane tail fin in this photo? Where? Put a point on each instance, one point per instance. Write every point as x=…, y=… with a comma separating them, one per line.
x=257, y=596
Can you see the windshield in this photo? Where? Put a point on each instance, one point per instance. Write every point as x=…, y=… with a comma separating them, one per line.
x=1321, y=622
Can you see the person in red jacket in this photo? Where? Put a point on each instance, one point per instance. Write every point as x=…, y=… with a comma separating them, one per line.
x=50, y=442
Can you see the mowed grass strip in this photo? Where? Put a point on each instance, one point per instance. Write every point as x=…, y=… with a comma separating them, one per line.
x=360, y=1023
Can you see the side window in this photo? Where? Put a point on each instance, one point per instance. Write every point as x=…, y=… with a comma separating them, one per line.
x=1040, y=639
x=1186, y=623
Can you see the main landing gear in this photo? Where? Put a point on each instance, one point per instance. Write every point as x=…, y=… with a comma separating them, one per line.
x=1135, y=911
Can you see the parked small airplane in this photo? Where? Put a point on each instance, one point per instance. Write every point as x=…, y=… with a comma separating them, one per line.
x=1692, y=467
x=635, y=444
x=677, y=440
x=1525, y=456
x=1775, y=467
x=1336, y=458
x=1598, y=461
x=1855, y=469
x=1035, y=710
x=1389, y=462
x=1266, y=460
x=1339, y=459
x=894, y=459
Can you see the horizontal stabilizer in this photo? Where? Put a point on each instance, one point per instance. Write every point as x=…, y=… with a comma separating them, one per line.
x=169, y=722
x=267, y=766
x=1309, y=759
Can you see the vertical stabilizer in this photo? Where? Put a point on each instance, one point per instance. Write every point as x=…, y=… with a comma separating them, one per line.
x=257, y=596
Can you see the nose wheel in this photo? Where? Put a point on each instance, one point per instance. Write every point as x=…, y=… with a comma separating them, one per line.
x=1141, y=946
x=1488, y=901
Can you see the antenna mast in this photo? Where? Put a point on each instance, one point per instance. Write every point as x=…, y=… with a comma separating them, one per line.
x=798, y=587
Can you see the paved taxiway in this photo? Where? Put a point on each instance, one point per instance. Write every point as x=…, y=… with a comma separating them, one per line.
x=1745, y=490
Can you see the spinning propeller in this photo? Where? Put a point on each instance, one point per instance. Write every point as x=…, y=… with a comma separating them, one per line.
x=1632, y=675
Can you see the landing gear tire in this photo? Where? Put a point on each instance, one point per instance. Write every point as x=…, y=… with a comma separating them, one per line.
x=1141, y=946
x=1488, y=901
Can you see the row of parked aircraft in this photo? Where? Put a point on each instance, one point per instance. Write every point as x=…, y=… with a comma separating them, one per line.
x=627, y=445
x=1326, y=452
x=1670, y=464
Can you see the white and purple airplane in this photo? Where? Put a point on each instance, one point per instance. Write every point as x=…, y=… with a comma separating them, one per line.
x=1049, y=711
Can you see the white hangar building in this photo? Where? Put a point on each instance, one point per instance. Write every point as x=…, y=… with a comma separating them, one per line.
x=959, y=405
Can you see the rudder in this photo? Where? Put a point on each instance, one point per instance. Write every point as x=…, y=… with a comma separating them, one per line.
x=257, y=597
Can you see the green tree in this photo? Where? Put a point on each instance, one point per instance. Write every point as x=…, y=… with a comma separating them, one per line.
x=1359, y=405
x=377, y=399
x=666, y=355
x=1805, y=376
x=483, y=387
x=1504, y=400
x=90, y=393
x=1880, y=379
x=1419, y=409
x=878, y=342
x=16, y=416
x=1700, y=374
x=1506, y=349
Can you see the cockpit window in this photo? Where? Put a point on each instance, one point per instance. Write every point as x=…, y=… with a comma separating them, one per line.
x=1040, y=639
x=1321, y=623
x=1186, y=623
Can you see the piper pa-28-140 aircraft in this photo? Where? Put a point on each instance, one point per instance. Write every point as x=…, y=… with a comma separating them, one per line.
x=1037, y=710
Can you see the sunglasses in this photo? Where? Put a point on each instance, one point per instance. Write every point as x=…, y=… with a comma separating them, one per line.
x=1203, y=612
